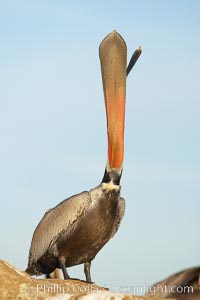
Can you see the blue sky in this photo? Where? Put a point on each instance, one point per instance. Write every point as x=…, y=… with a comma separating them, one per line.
x=53, y=128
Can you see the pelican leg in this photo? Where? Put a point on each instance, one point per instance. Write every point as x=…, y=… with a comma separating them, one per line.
x=87, y=267
x=63, y=267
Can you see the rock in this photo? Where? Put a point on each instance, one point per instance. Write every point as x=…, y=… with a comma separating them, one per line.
x=17, y=285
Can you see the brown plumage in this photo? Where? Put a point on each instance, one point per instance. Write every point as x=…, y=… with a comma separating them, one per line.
x=75, y=230
x=184, y=285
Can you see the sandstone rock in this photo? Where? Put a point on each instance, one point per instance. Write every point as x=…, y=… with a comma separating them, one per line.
x=17, y=285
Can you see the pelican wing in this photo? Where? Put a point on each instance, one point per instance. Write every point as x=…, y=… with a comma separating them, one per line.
x=56, y=221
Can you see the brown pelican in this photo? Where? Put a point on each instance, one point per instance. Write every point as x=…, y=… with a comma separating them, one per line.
x=76, y=229
x=184, y=285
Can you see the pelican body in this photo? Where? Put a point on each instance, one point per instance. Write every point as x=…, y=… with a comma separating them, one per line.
x=76, y=229
x=184, y=285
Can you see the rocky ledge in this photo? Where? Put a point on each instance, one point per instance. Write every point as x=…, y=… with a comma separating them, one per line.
x=17, y=285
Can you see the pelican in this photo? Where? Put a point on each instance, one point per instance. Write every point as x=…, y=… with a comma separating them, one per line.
x=184, y=285
x=75, y=230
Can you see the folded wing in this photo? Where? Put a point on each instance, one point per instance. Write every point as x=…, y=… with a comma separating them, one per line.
x=55, y=222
